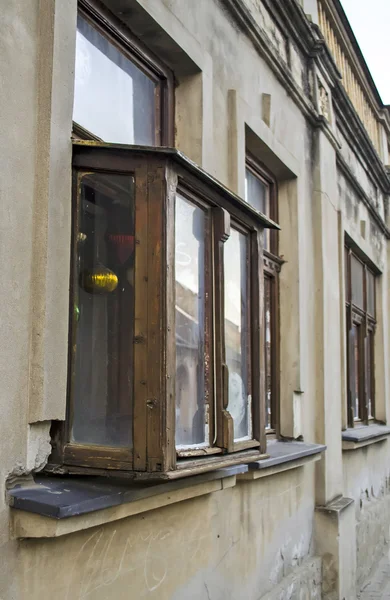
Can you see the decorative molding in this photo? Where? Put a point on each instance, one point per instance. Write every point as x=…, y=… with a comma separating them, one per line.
x=356, y=134
x=324, y=105
x=309, y=38
x=349, y=175
x=351, y=79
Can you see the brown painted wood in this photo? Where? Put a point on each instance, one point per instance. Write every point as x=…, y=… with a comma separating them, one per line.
x=98, y=457
x=258, y=360
x=141, y=293
x=126, y=42
x=169, y=358
x=221, y=228
x=156, y=432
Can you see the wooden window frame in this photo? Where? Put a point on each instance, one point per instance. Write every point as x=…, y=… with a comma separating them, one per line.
x=117, y=33
x=160, y=174
x=272, y=266
x=366, y=326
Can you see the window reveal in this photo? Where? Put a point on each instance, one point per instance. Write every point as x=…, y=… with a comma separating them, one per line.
x=361, y=325
x=113, y=98
x=122, y=93
x=261, y=193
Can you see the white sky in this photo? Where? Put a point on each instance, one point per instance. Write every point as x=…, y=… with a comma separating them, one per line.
x=370, y=21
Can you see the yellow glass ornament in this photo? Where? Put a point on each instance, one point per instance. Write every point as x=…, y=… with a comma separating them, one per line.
x=99, y=280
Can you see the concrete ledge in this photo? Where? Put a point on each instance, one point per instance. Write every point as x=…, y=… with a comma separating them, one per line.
x=336, y=506
x=44, y=509
x=359, y=437
x=283, y=456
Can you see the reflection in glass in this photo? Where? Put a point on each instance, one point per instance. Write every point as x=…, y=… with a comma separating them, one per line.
x=237, y=338
x=354, y=374
x=190, y=323
x=113, y=99
x=369, y=341
x=103, y=296
x=346, y=275
x=357, y=271
x=370, y=293
x=268, y=346
x=257, y=195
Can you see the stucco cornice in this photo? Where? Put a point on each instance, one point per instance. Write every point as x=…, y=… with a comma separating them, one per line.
x=260, y=40
x=349, y=175
x=353, y=129
x=308, y=37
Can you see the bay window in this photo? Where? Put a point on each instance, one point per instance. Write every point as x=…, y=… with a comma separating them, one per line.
x=166, y=353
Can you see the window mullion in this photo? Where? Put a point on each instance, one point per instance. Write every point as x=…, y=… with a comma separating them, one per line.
x=258, y=342
x=223, y=421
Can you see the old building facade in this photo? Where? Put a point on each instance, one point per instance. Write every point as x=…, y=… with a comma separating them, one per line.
x=194, y=306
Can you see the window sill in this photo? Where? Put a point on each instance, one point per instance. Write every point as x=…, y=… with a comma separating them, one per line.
x=365, y=435
x=43, y=510
x=283, y=456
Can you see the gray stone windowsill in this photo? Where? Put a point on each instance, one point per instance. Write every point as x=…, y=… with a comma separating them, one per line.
x=283, y=456
x=364, y=435
x=63, y=497
x=43, y=509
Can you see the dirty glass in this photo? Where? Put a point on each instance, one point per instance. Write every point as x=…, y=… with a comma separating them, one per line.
x=268, y=349
x=237, y=331
x=357, y=271
x=346, y=274
x=369, y=343
x=370, y=293
x=257, y=195
x=190, y=236
x=113, y=99
x=103, y=308
x=354, y=370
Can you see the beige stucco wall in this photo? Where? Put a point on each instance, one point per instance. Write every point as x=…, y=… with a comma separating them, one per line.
x=257, y=537
x=235, y=543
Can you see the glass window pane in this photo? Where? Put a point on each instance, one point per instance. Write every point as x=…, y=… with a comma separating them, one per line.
x=354, y=371
x=237, y=332
x=268, y=349
x=113, y=99
x=357, y=282
x=103, y=311
x=370, y=293
x=257, y=195
x=346, y=278
x=190, y=223
x=369, y=346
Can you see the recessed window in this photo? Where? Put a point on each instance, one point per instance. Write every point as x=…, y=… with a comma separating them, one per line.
x=361, y=325
x=121, y=94
x=261, y=194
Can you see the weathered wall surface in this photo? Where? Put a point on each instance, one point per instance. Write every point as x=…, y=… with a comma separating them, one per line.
x=238, y=543
x=244, y=542
x=254, y=540
x=367, y=481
